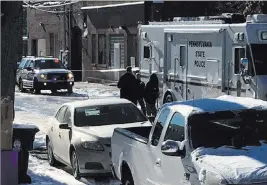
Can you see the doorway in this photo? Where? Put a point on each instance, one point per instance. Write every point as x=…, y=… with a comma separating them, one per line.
x=76, y=53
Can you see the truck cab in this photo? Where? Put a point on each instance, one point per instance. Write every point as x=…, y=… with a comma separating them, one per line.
x=196, y=142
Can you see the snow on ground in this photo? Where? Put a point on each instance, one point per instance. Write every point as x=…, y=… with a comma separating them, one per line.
x=238, y=166
x=37, y=110
x=43, y=174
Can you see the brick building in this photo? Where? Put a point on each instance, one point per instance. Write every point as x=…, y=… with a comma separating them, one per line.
x=98, y=34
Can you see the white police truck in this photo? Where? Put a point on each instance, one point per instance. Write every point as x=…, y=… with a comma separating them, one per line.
x=206, y=56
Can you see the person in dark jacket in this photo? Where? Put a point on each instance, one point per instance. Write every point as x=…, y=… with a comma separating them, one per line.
x=128, y=86
x=152, y=94
x=140, y=92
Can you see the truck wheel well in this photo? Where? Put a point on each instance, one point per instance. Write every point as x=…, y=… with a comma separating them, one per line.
x=125, y=170
x=71, y=150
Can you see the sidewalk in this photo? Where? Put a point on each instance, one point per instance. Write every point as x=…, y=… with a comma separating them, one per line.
x=111, y=86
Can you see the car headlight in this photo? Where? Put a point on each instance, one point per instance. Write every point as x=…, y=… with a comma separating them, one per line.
x=93, y=145
x=43, y=76
x=70, y=75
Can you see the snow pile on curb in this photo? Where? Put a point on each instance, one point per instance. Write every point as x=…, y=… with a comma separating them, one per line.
x=237, y=166
x=43, y=174
x=97, y=92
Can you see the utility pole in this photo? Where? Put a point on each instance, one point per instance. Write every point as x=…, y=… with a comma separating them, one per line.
x=69, y=38
x=11, y=52
x=64, y=27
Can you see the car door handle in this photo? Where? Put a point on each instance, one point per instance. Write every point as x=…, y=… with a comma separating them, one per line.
x=59, y=135
x=158, y=163
x=51, y=128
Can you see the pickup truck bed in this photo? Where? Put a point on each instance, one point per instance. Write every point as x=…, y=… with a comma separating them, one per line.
x=140, y=134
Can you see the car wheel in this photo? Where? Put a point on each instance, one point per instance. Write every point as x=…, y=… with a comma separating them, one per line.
x=127, y=179
x=50, y=155
x=168, y=99
x=21, y=89
x=70, y=90
x=75, y=165
x=36, y=90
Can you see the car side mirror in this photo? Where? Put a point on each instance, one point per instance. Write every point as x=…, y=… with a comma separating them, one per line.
x=172, y=148
x=64, y=126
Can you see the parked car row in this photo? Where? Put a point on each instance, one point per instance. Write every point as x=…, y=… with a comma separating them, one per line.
x=43, y=73
x=208, y=141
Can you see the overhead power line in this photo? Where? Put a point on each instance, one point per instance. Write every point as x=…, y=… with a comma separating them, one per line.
x=48, y=11
x=52, y=6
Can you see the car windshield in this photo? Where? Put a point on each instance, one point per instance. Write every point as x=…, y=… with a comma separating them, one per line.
x=107, y=115
x=48, y=64
x=228, y=128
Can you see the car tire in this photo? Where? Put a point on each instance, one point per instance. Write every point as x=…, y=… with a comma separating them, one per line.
x=36, y=90
x=75, y=165
x=70, y=90
x=127, y=179
x=50, y=155
x=168, y=99
x=21, y=89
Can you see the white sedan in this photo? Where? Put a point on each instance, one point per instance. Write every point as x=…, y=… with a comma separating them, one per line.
x=80, y=133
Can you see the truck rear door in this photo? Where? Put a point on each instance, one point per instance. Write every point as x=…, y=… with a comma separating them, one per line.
x=177, y=64
x=200, y=54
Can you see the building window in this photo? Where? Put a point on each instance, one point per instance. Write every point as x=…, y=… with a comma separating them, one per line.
x=93, y=48
x=34, y=47
x=52, y=44
x=101, y=49
x=182, y=56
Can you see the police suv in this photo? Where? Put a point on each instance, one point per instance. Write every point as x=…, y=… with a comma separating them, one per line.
x=43, y=73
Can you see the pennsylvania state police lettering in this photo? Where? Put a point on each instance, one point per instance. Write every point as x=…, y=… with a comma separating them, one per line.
x=203, y=44
x=200, y=55
x=199, y=63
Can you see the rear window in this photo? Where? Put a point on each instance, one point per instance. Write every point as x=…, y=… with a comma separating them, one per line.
x=107, y=115
x=48, y=64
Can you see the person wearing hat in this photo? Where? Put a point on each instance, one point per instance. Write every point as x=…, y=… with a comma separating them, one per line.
x=128, y=86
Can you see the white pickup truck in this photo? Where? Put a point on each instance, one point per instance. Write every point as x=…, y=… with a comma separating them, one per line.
x=207, y=141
